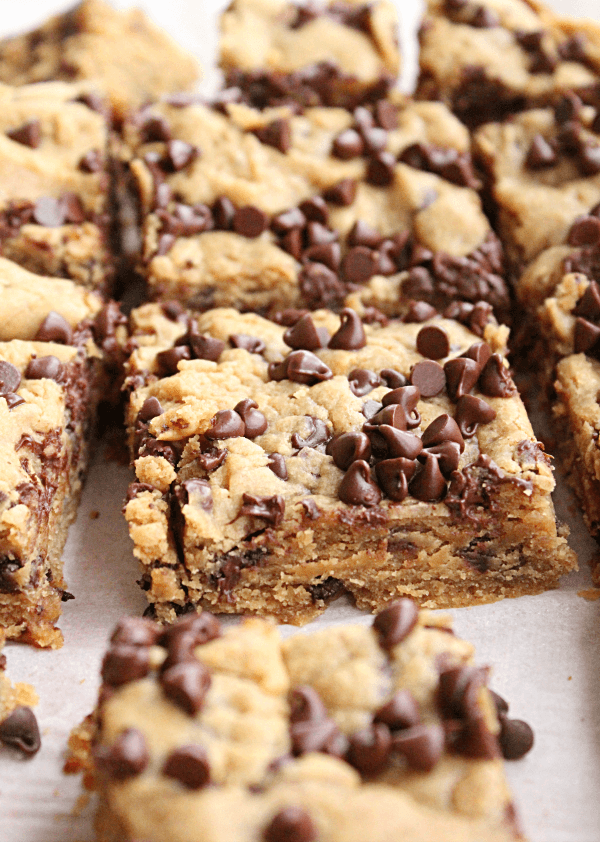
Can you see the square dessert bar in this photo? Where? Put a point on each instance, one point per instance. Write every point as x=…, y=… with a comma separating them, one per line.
x=123, y=53
x=487, y=59
x=18, y=725
x=277, y=468
x=325, y=53
x=52, y=334
x=262, y=210
x=382, y=731
x=54, y=191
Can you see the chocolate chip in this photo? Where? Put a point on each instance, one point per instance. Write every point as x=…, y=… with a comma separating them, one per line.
x=495, y=380
x=386, y=114
x=390, y=442
x=375, y=139
x=55, y=328
x=380, y=169
x=20, y=730
x=442, y=429
x=343, y=193
x=348, y=144
x=318, y=434
x=91, y=162
x=357, y=487
x=287, y=221
x=198, y=629
x=306, y=705
x=197, y=492
x=359, y=265
x=301, y=367
x=429, y=377
x=500, y=703
x=462, y=374
x=124, y=663
x=407, y=397
x=393, y=415
x=400, y=712
x=277, y=464
x=49, y=368
x=396, y=622
x=278, y=134
x=126, y=758
x=330, y=254
x=292, y=824
x=350, y=336
x=206, y=347
x=188, y=765
x=588, y=305
x=370, y=409
x=10, y=378
x=212, y=459
x=392, y=378
x=369, y=749
x=168, y=361
x=320, y=286
x=317, y=735
x=480, y=352
x=419, y=311
x=474, y=739
x=568, y=108
x=348, y=448
x=516, y=738
x=151, y=408
x=255, y=421
x=29, y=134
x=135, y=631
x=272, y=509
x=421, y=746
x=320, y=235
x=292, y=243
x=541, y=154
x=179, y=155
x=393, y=476
x=315, y=209
x=155, y=128
x=186, y=685
x=589, y=157
x=470, y=412
x=585, y=231
x=303, y=335
x=428, y=484
x=362, y=381
x=249, y=221
x=433, y=342
x=458, y=692
x=223, y=211
x=226, y=424
x=13, y=400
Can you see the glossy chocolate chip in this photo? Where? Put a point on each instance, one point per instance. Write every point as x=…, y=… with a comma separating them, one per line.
x=305, y=367
x=447, y=454
x=55, y=328
x=315, y=209
x=186, y=685
x=419, y=311
x=303, y=335
x=223, y=211
x=226, y=424
x=196, y=492
x=362, y=381
x=252, y=344
x=393, y=379
x=20, y=730
x=168, y=361
x=350, y=336
x=480, y=352
x=458, y=692
x=10, y=378
x=329, y=254
x=363, y=234
x=29, y=134
x=588, y=305
x=277, y=134
x=357, y=488
x=320, y=286
x=495, y=380
x=151, y=408
x=306, y=705
x=393, y=415
x=380, y=169
x=443, y=429
x=249, y=221
x=271, y=509
x=429, y=377
x=516, y=738
x=320, y=235
x=396, y=622
x=369, y=749
x=179, y=155
x=206, y=347
x=124, y=663
x=473, y=739
x=393, y=476
x=13, y=400
x=317, y=735
x=292, y=824
x=343, y=193
x=541, y=154
x=421, y=746
x=135, y=631
x=254, y=420
x=126, y=758
x=318, y=434
x=196, y=629
x=407, y=397
x=348, y=448
x=49, y=212
x=359, y=265
x=188, y=765
x=277, y=464
x=462, y=374
x=389, y=442
x=428, y=484
x=400, y=712
x=585, y=231
x=433, y=342
x=348, y=144
x=287, y=221
x=470, y=412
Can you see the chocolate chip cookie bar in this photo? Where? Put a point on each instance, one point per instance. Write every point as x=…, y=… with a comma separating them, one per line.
x=262, y=210
x=18, y=725
x=322, y=53
x=54, y=191
x=122, y=53
x=280, y=467
x=382, y=731
x=487, y=59
x=50, y=383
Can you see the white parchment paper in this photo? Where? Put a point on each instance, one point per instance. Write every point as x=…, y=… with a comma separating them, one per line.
x=544, y=650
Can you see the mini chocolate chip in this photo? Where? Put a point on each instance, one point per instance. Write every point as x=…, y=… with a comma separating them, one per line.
x=277, y=133
x=540, y=154
x=55, y=328
x=359, y=265
x=362, y=234
x=433, y=342
x=470, y=412
x=330, y=254
x=394, y=623
x=320, y=286
x=362, y=381
x=462, y=374
x=516, y=738
x=168, y=361
x=428, y=484
x=357, y=488
x=226, y=424
x=306, y=705
x=179, y=155
x=29, y=134
x=348, y=448
x=10, y=378
x=123, y=663
x=393, y=476
x=348, y=144
x=223, y=211
x=495, y=380
x=585, y=231
x=292, y=243
x=287, y=221
x=188, y=765
x=380, y=169
x=400, y=712
x=350, y=336
x=419, y=311
x=392, y=379
x=474, y=739
x=252, y=344
x=206, y=347
x=127, y=757
x=370, y=748
x=135, y=631
x=421, y=745
x=277, y=464
x=255, y=421
x=343, y=193
x=315, y=209
x=186, y=685
x=303, y=335
x=151, y=408
x=317, y=735
x=20, y=730
x=292, y=824
x=272, y=509
x=429, y=377
x=249, y=221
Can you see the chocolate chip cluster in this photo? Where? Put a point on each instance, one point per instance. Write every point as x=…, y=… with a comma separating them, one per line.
x=572, y=138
